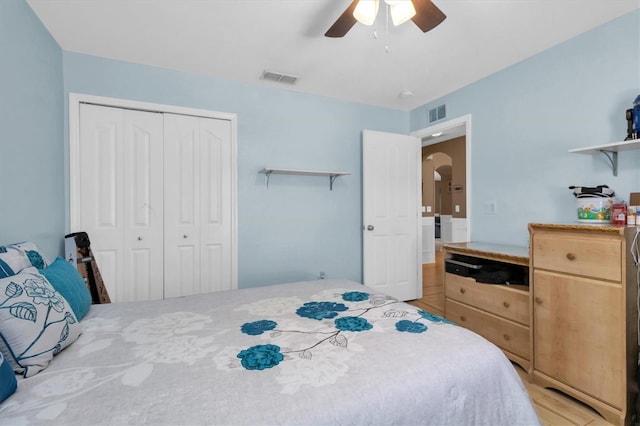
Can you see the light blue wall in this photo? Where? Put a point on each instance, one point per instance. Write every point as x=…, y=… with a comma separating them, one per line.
x=298, y=227
x=31, y=134
x=526, y=118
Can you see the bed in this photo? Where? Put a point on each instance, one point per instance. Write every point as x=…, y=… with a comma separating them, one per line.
x=326, y=352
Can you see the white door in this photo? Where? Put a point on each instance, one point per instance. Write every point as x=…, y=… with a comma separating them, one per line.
x=120, y=198
x=198, y=205
x=391, y=214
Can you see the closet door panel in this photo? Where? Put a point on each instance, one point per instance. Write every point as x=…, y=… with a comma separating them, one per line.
x=182, y=205
x=216, y=225
x=120, y=198
x=143, y=217
x=101, y=198
x=183, y=272
x=213, y=268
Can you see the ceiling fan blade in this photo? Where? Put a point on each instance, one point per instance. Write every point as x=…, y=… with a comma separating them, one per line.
x=344, y=23
x=427, y=16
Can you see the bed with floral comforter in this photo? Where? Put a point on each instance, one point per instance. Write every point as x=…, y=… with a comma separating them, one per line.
x=323, y=352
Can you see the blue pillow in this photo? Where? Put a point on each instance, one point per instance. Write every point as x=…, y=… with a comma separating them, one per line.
x=8, y=382
x=67, y=281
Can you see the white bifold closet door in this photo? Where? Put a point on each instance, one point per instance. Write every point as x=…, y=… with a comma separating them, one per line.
x=155, y=200
x=121, y=198
x=197, y=211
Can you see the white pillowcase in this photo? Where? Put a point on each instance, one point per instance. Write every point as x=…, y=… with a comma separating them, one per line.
x=36, y=322
x=18, y=256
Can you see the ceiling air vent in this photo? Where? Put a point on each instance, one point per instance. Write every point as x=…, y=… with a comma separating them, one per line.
x=278, y=77
x=437, y=113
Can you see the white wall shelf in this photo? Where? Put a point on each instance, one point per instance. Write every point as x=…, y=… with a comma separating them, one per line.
x=610, y=150
x=332, y=175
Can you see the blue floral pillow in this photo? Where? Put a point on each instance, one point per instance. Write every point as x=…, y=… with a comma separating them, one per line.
x=8, y=382
x=18, y=256
x=66, y=279
x=36, y=322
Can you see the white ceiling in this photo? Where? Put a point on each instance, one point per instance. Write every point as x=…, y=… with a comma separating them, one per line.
x=239, y=39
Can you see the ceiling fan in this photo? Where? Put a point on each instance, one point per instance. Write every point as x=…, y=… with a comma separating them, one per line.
x=423, y=13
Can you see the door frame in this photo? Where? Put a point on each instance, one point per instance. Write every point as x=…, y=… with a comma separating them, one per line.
x=465, y=121
x=75, y=99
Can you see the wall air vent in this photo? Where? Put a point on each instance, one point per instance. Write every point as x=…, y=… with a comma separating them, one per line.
x=437, y=113
x=278, y=77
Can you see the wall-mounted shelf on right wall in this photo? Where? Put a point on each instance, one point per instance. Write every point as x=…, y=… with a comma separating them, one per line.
x=610, y=150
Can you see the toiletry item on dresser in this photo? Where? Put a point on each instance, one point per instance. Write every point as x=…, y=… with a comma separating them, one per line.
x=631, y=215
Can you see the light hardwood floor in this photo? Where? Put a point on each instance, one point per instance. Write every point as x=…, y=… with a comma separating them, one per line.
x=554, y=408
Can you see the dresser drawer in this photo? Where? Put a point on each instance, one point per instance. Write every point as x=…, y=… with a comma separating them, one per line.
x=581, y=254
x=501, y=300
x=503, y=333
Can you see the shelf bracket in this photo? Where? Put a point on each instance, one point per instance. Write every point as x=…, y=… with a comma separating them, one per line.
x=267, y=175
x=613, y=159
x=332, y=178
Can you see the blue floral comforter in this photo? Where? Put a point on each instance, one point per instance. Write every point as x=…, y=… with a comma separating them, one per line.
x=320, y=352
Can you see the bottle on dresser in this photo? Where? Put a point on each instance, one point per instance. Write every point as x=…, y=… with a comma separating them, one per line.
x=632, y=215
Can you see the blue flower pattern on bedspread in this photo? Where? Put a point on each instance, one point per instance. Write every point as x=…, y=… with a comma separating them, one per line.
x=321, y=310
x=262, y=357
x=434, y=318
x=353, y=324
x=355, y=296
x=410, y=326
x=258, y=327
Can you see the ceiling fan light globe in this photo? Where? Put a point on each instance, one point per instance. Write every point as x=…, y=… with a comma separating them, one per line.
x=366, y=11
x=401, y=11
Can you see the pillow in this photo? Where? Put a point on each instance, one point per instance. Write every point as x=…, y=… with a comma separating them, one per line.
x=36, y=322
x=8, y=382
x=67, y=280
x=15, y=257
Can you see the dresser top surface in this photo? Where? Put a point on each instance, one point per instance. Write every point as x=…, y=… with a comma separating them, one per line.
x=502, y=252
x=582, y=227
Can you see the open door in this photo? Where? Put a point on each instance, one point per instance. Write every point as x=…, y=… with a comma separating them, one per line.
x=391, y=177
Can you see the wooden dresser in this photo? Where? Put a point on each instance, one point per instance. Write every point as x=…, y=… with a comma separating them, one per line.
x=584, y=316
x=499, y=313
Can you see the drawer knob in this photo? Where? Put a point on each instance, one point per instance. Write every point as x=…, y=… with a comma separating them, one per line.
x=463, y=318
x=571, y=256
x=538, y=301
x=506, y=337
x=506, y=304
x=462, y=290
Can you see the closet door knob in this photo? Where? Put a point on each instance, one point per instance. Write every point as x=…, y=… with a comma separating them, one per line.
x=185, y=236
x=139, y=238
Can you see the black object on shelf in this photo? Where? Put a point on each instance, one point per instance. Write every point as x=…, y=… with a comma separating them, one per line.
x=487, y=271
